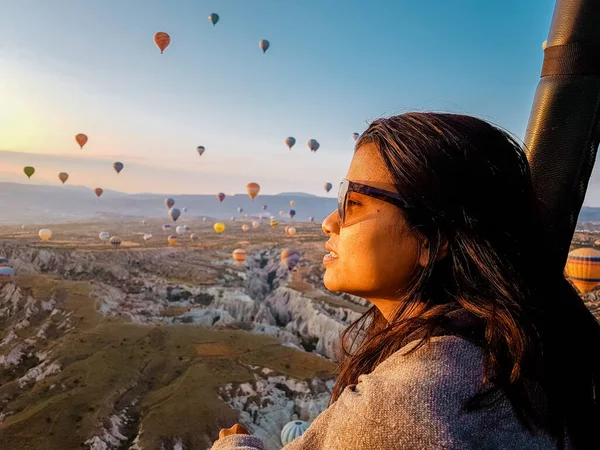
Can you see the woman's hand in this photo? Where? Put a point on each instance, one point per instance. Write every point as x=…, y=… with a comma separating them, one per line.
x=236, y=429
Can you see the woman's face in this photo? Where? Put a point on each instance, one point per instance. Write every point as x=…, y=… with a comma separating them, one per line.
x=376, y=252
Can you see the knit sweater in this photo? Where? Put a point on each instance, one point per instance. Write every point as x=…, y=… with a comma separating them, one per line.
x=413, y=402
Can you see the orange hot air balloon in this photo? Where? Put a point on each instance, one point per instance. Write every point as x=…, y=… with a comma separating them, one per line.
x=583, y=268
x=253, y=189
x=63, y=176
x=162, y=40
x=81, y=139
x=172, y=240
x=98, y=191
x=239, y=255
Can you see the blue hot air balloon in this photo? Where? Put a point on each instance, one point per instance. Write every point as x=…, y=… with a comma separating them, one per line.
x=174, y=213
x=118, y=166
x=292, y=430
x=292, y=213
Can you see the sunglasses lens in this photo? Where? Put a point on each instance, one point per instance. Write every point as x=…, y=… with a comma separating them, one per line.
x=342, y=200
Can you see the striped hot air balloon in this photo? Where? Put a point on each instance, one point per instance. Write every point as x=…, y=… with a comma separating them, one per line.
x=6, y=274
x=115, y=241
x=583, y=268
x=4, y=262
x=292, y=430
x=253, y=189
x=239, y=255
x=273, y=223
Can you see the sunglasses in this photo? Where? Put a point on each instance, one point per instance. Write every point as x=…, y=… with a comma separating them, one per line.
x=347, y=186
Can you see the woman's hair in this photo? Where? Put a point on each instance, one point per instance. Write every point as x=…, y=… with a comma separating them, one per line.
x=468, y=185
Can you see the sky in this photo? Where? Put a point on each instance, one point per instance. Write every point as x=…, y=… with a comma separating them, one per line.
x=88, y=66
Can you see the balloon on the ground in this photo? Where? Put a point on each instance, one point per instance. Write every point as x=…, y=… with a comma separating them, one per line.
x=115, y=241
x=292, y=430
x=166, y=227
x=245, y=228
x=583, y=268
x=200, y=149
x=174, y=213
x=290, y=142
x=328, y=187
x=29, y=171
x=104, y=236
x=239, y=255
x=253, y=189
x=355, y=136
x=172, y=240
x=180, y=229
x=290, y=258
x=219, y=227
x=264, y=45
x=81, y=139
x=144, y=222
x=98, y=192
x=118, y=166
x=313, y=145
x=63, y=176
x=204, y=219
x=162, y=40
x=169, y=202
x=147, y=237
x=221, y=196
x=45, y=234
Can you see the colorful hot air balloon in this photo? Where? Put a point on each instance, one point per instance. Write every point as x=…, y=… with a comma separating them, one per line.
x=169, y=202
x=172, y=240
x=115, y=241
x=147, y=237
x=292, y=213
x=29, y=171
x=180, y=229
x=174, y=213
x=98, y=191
x=355, y=136
x=162, y=40
x=290, y=142
x=221, y=196
x=264, y=45
x=290, y=258
x=104, y=236
x=7, y=274
x=239, y=255
x=4, y=262
x=583, y=268
x=166, y=228
x=285, y=230
x=45, y=234
x=313, y=145
x=255, y=224
x=291, y=231
x=292, y=203
x=63, y=176
x=328, y=187
x=253, y=189
x=245, y=228
x=118, y=166
x=200, y=149
x=81, y=139
x=292, y=430
x=214, y=18
x=219, y=227
x=273, y=223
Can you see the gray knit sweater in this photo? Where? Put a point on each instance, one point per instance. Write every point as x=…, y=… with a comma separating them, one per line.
x=413, y=402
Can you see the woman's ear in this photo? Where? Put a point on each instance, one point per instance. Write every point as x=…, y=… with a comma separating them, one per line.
x=425, y=250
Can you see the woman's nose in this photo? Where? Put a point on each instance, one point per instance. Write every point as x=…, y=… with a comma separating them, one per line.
x=330, y=224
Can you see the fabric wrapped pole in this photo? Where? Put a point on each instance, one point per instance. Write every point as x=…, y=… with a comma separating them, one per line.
x=564, y=126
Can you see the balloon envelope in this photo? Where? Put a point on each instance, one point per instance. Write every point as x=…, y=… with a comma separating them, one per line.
x=200, y=149
x=98, y=191
x=313, y=145
x=147, y=237
x=245, y=228
x=219, y=227
x=239, y=255
x=328, y=187
x=291, y=231
x=292, y=430
x=29, y=171
x=63, y=176
x=221, y=196
x=81, y=139
x=193, y=237
x=290, y=142
x=118, y=166
x=104, y=236
x=264, y=45
x=45, y=234
x=292, y=203
x=253, y=189
x=172, y=240
x=115, y=241
x=583, y=268
x=180, y=229
x=166, y=227
x=290, y=258
x=355, y=136
x=273, y=223
x=174, y=213
x=162, y=40
x=6, y=274
x=255, y=224
x=214, y=18
x=292, y=213
x=169, y=202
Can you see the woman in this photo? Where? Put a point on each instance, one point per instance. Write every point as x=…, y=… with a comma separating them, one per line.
x=475, y=339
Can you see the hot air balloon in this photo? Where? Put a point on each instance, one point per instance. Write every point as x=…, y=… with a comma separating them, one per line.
x=311, y=219
x=291, y=231
x=180, y=229
x=63, y=176
x=186, y=228
x=45, y=234
x=281, y=213
x=290, y=142
x=328, y=187
x=162, y=40
x=290, y=258
x=29, y=171
x=292, y=430
x=264, y=207
x=115, y=241
x=147, y=237
x=24, y=227
x=264, y=45
x=200, y=149
x=255, y=224
x=4, y=262
x=221, y=196
x=239, y=255
x=98, y=192
x=245, y=228
x=355, y=136
x=169, y=202
x=144, y=222
x=285, y=230
x=240, y=209
x=214, y=18
x=7, y=274
x=219, y=227
x=233, y=218
x=81, y=139
x=292, y=203
x=273, y=223
x=172, y=240
x=253, y=189
x=313, y=145
x=193, y=237
x=104, y=236
x=184, y=209
x=174, y=213
x=292, y=213
x=118, y=166
x=204, y=219
x=583, y=268
x=166, y=228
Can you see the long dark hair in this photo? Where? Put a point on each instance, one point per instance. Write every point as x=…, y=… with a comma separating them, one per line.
x=469, y=186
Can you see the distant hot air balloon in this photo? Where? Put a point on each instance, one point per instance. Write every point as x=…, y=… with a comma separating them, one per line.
x=162, y=40
x=81, y=139
x=24, y=227
x=186, y=227
x=147, y=237
x=193, y=237
x=291, y=231
x=273, y=223
x=29, y=171
x=219, y=227
x=214, y=18
x=166, y=228
x=355, y=136
x=281, y=213
x=200, y=149
x=180, y=229
x=204, y=219
x=63, y=176
x=4, y=262
x=255, y=224
x=240, y=209
x=172, y=240
x=253, y=189
x=184, y=209
x=45, y=234
x=328, y=187
x=290, y=258
x=174, y=213
x=292, y=203
x=292, y=430
x=144, y=222
x=292, y=213
x=115, y=241
x=104, y=236
x=264, y=45
x=98, y=191
x=239, y=255
x=285, y=230
x=233, y=218
x=290, y=142
x=7, y=274
x=311, y=219
x=169, y=202
x=221, y=196
x=583, y=268
x=245, y=228
x=118, y=166
x=264, y=207
x=313, y=145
